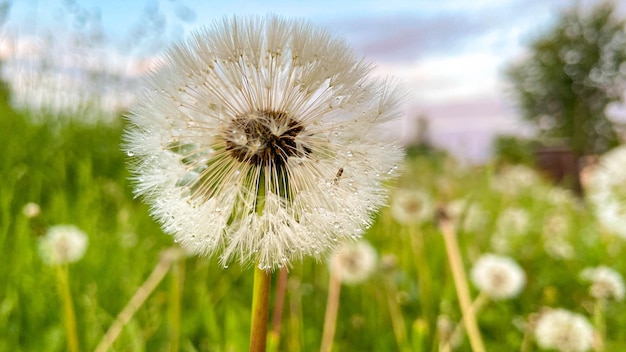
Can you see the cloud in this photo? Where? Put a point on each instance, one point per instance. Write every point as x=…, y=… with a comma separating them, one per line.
x=397, y=38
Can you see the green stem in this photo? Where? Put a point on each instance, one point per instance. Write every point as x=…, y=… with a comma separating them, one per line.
x=397, y=320
x=599, y=323
x=279, y=303
x=423, y=275
x=260, y=309
x=175, y=301
x=460, y=282
x=478, y=304
x=332, y=308
x=68, y=308
x=295, y=316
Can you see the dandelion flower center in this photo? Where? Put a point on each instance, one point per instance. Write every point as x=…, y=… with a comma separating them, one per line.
x=264, y=138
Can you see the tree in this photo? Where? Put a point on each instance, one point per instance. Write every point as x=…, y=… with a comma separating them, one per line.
x=570, y=77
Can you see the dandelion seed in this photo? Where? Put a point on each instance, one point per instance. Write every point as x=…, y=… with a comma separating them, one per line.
x=63, y=244
x=606, y=283
x=497, y=276
x=239, y=137
x=564, y=331
x=354, y=262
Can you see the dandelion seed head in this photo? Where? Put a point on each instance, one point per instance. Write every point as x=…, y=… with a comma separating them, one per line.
x=354, y=262
x=62, y=244
x=515, y=179
x=512, y=224
x=497, y=276
x=238, y=141
x=411, y=206
x=31, y=210
x=468, y=216
x=607, y=191
x=564, y=331
x=606, y=283
x=513, y=221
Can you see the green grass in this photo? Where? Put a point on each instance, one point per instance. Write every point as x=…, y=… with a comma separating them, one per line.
x=77, y=174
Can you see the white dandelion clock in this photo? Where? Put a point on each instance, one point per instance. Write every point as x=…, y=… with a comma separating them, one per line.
x=499, y=277
x=31, y=210
x=354, y=262
x=412, y=206
x=564, y=331
x=63, y=244
x=261, y=139
x=606, y=283
x=516, y=179
x=607, y=191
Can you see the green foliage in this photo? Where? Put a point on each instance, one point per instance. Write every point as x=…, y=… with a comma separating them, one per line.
x=77, y=175
x=571, y=75
x=514, y=150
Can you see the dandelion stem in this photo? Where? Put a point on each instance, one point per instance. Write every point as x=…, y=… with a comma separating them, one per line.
x=332, y=308
x=460, y=282
x=279, y=303
x=174, y=304
x=459, y=330
x=397, y=320
x=260, y=309
x=143, y=292
x=599, y=323
x=68, y=307
x=295, y=316
x=423, y=273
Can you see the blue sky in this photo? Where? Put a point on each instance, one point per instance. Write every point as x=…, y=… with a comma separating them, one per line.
x=450, y=53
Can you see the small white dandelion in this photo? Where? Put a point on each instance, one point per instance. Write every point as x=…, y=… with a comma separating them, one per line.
x=468, y=216
x=262, y=138
x=497, y=276
x=512, y=223
x=354, y=262
x=607, y=191
x=515, y=179
x=564, y=331
x=31, y=210
x=556, y=228
x=63, y=244
x=606, y=283
x=411, y=206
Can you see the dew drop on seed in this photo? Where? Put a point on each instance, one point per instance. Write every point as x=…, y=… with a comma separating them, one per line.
x=130, y=153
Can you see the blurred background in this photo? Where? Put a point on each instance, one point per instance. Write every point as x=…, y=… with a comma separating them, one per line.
x=501, y=94
x=84, y=58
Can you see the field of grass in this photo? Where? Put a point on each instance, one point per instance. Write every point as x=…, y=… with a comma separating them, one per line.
x=76, y=174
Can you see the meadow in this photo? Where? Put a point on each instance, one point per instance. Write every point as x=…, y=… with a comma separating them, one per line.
x=76, y=174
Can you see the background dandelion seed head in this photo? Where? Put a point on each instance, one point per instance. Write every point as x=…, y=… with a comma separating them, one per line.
x=497, y=276
x=563, y=330
x=63, y=244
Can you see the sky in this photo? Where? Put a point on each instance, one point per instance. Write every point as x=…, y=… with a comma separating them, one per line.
x=450, y=54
